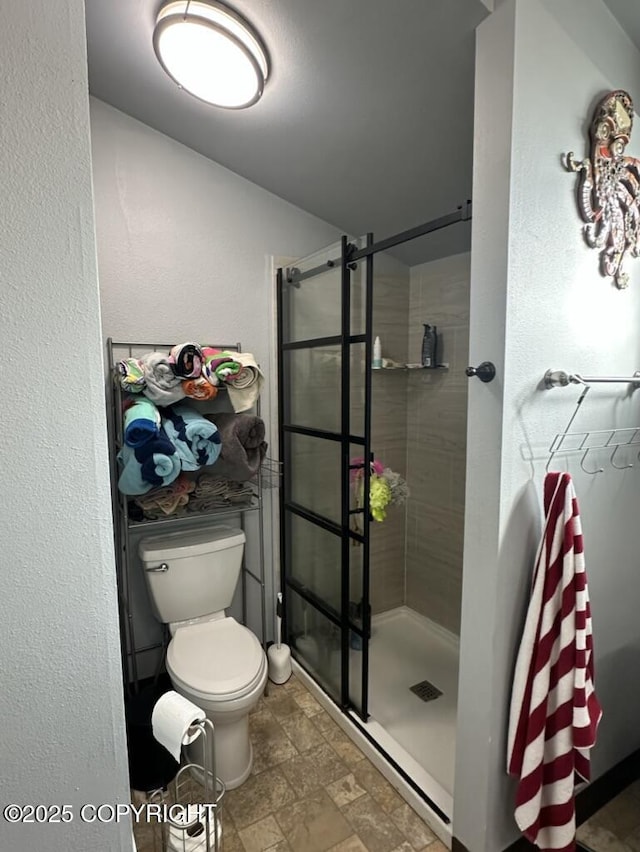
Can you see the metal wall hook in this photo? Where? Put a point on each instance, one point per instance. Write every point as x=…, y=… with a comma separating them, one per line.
x=550, y=459
x=486, y=371
x=582, y=461
x=618, y=466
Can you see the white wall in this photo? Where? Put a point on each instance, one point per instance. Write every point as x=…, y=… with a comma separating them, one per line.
x=184, y=253
x=62, y=738
x=538, y=301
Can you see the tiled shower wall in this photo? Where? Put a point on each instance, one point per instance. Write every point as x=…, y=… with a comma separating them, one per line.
x=436, y=441
x=389, y=438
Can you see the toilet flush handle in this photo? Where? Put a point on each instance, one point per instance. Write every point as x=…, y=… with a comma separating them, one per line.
x=161, y=567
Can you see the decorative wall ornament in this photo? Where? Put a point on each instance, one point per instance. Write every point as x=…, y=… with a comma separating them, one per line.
x=609, y=187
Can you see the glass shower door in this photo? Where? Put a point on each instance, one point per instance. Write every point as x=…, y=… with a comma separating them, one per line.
x=324, y=349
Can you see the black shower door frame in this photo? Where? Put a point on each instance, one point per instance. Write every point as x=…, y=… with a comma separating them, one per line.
x=350, y=256
x=342, y=619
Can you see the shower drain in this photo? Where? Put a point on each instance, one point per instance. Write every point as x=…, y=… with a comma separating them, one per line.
x=426, y=690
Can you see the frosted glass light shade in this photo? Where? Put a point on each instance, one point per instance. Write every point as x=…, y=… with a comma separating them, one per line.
x=211, y=52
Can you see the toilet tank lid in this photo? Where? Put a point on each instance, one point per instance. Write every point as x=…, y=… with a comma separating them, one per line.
x=190, y=543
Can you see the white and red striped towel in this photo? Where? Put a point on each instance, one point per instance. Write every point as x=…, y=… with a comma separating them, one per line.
x=554, y=708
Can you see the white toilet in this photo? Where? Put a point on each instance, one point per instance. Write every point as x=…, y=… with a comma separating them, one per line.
x=212, y=660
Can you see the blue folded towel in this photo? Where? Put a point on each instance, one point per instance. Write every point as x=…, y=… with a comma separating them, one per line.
x=196, y=439
x=152, y=465
x=141, y=422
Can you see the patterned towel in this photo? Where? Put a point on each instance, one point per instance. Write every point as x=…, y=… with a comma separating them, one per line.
x=199, y=388
x=219, y=366
x=554, y=708
x=196, y=439
x=141, y=422
x=186, y=360
x=152, y=465
x=130, y=375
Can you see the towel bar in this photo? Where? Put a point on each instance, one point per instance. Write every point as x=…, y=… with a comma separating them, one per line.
x=561, y=379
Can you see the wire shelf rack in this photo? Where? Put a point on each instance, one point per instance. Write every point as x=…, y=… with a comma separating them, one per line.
x=270, y=473
x=186, y=816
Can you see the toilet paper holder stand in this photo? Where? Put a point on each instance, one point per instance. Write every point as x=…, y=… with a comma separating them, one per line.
x=190, y=806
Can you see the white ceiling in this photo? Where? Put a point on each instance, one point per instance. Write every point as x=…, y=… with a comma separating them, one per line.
x=366, y=120
x=628, y=14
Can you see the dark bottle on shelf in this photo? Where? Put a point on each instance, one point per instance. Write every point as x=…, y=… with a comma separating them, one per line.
x=430, y=346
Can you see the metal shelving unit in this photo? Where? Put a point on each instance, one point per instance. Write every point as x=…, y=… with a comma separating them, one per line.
x=124, y=525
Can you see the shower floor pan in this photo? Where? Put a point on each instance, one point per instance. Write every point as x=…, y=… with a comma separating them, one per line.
x=416, y=736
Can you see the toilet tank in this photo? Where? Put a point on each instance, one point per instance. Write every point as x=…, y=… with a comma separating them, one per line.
x=201, y=574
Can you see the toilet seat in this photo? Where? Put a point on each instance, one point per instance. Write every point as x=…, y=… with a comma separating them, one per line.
x=216, y=659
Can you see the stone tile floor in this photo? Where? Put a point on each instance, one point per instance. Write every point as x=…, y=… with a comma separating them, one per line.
x=311, y=789
x=616, y=826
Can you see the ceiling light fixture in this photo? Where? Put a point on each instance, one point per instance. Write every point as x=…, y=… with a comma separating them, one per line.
x=211, y=52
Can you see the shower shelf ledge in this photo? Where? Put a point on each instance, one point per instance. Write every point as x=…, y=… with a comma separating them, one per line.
x=407, y=369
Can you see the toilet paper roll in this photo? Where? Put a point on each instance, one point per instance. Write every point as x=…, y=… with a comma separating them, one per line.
x=194, y=839
x=171, y=719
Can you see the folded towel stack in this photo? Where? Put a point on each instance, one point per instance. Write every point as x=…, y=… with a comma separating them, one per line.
x=208, y=486
x=238, y=492
x=164, y=379
x=167, y=501
x=158, y=444
x=211, y=494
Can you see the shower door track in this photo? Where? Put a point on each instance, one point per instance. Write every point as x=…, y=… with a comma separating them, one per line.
x=362, y=727
x=462, y=214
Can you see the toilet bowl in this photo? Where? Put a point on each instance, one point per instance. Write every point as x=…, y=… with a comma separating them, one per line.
x=216, y=663
x=220, y=666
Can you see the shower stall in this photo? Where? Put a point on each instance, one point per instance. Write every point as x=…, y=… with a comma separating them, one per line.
x=372, y=606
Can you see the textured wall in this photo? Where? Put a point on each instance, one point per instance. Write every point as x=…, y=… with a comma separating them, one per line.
x=436, y=441
x=538, y=301
x=62, y=738
x=184, y=253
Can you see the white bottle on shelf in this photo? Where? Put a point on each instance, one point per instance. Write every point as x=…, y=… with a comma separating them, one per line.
x=377, y=355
